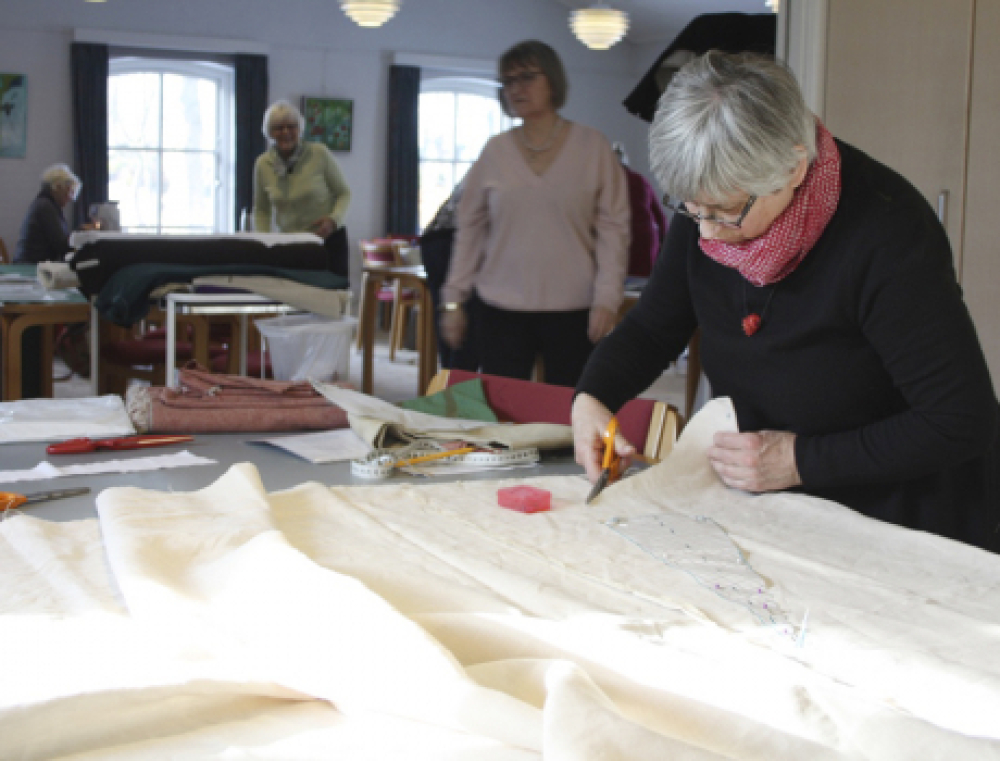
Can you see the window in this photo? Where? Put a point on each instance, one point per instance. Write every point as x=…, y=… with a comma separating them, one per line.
x=170, y=145
x=457, y=116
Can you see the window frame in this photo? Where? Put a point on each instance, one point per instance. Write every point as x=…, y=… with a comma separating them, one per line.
x=461, y=84
x=223, y=75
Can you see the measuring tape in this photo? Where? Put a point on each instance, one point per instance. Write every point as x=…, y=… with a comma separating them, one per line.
x=380, y=463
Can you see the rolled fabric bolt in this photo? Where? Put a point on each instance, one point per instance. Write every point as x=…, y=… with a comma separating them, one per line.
x=524, y=499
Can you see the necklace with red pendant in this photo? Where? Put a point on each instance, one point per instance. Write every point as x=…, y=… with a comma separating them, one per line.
x=753, y=321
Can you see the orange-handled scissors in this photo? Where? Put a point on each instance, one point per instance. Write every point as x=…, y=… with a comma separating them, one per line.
x=78, y=446
x=9, y=500
x=612, y=466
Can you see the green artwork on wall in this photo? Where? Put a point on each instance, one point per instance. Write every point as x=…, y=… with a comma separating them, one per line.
x=329, y=121
x=13, y=115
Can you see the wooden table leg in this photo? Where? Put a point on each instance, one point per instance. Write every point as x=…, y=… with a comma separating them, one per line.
x=428, y=341
x=13, y=338
x=369, y=288
x=48, y=355
x=5, y=355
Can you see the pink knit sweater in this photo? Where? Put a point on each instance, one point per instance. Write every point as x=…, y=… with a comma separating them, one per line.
x=557, y=242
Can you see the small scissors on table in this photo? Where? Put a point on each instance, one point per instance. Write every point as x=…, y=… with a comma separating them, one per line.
x=10, y=500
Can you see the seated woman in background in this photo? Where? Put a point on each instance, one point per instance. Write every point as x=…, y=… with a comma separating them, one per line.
x=44, y=231
x=542, y=232
x=298, y=186
x=829, y=310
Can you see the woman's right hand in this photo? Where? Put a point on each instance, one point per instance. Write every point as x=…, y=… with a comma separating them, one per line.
x=454, y=323
x=590, y=419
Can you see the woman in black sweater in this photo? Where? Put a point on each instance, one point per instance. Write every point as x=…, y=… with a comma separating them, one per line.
x=829, y=311
x=44, y=231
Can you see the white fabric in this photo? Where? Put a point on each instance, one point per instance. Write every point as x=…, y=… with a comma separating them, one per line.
x=324, y=301
x=56, y=275
x=59, y=419
x=382, y=424
x=425, y=622
x=45, y=470
x=79, y=238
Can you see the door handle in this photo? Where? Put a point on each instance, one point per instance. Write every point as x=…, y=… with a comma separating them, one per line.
x=942, y=206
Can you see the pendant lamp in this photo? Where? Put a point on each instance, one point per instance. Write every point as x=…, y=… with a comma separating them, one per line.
x=599, y=26
x=370, y=13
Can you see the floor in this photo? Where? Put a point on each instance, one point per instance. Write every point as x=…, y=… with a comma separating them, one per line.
x=394, y=381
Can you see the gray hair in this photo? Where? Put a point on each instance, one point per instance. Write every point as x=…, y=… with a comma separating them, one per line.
x=534, y=53
x=729, y=123
x=60, y=175
x=282, y=111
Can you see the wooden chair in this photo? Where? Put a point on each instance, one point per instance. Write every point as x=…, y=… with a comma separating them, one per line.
x=140, y=352
x=651, y=426
x=387, y=251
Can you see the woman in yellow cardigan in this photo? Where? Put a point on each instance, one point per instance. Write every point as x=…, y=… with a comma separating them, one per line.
x=298, y=186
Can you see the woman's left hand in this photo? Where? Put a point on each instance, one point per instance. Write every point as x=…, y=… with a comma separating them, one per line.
x=602, y=322
x=755, y=462
x=323, y=227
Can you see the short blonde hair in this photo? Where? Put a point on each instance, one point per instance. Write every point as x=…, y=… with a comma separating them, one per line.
x=59, y=176
x=282, y=111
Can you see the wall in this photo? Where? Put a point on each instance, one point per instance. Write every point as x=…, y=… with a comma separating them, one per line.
x=314, y=50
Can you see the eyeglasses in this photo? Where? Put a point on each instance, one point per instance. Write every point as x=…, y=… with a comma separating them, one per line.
x=678, y=207
x=524, y=78
x=278, y=127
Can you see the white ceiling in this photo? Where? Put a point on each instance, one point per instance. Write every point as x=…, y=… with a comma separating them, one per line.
x=659, y=20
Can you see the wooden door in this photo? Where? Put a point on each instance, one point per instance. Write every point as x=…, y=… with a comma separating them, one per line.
x=897, y=87
x=981, y=260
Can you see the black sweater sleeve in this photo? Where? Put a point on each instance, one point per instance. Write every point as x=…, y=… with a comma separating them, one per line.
x=910, y=308
x=653, y=333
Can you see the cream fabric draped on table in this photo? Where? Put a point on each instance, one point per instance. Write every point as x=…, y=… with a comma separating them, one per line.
x=424, y=622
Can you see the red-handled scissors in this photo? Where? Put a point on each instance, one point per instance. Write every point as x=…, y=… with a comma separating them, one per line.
x=78, y=446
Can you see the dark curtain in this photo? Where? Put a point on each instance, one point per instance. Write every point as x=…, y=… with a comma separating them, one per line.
x=402, y=192
x=90, y=125
x=251, y=103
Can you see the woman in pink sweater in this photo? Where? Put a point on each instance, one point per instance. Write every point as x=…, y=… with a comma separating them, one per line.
x=543, y=231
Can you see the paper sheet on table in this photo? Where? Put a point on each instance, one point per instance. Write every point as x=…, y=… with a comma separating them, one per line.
x=58, y=419
x=380, y=424
x=324, y=446
x=45, y=470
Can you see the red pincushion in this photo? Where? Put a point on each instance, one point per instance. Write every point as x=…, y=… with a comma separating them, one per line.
x=524, y=499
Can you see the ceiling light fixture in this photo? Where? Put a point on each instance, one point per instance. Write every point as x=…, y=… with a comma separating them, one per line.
x=598, y=27
x=370, y=13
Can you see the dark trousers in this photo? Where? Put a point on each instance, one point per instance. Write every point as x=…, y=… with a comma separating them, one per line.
x=435, y=251
x=338, y=251
x=509, y=342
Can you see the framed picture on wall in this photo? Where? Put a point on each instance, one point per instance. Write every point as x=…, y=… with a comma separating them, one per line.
x=13, y=115
x=329, y=121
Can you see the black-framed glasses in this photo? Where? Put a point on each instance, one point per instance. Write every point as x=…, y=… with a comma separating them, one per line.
x=524, y=78
x=678, y=207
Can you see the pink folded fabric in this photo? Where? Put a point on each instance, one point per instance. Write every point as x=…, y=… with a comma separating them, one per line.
x=206, y=402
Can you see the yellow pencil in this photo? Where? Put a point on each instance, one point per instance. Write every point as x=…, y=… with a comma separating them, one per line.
x=435, y=456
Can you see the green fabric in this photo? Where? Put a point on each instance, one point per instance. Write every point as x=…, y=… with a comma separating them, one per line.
x=124, y=299
x=466, y=400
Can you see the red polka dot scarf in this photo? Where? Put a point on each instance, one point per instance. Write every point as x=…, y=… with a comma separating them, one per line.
x=775, y=254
